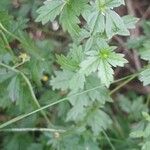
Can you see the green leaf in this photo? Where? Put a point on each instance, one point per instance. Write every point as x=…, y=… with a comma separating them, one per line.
x=5, y=75
x=76, y=53
x=5, y=5
x=114, y=3
x=67, y=80
x=36, y=146
x=25, y=102
x=16, y=140
x=89, y=43
x=146, y=27
x=90, y=65
x=77, y=81
x=18, y=25
x=105, y=72
x=144, y=51
x=102, y=60
x=49, y=11
x=67, y=63
x=95, y=20
x=4, y=100
x=137, y=134
x=146, y=146
x=79, y=103
x=14, y=89
x=69, y=16
x=105, y=5
x=76, y=113
x=61, y=81
x=73, y=59
x=102, y=19
x=73, y=142
x=5, y=18
x=36, y=71
x=101, y=94
x=70, y=21
x=118, y=26
x=99, y=121
x=147, y=131
x=132, y=106
x=69, y=11
x=15, y=26
x=109, y=26
x=146, y=116
x=130, y=21
x=145, y=77
x=31, y=47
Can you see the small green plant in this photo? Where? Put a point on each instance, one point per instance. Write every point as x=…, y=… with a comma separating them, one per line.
x=66, y=90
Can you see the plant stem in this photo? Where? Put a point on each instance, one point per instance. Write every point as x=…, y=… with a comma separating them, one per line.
x=17, y=38
x=19, y=64
x=31, y=130
x=111, y=145
x=124, y=78
x=6, y=42
x=30, y=88
x=31, y=113
x=9, y=33
x=34, y=97
x=60, y=100
x=44, y=107
x=124, y=83
x=148, y=100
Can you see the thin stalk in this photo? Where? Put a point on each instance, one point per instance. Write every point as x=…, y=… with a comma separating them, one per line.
x=111, y=145
x=60, y=100
x=34, y=97
x=17, y=38
x=30, y=88
x=124, y=78
x=9, y=33
x=44, y=107
x=112, y=139
x=6, y=42
x=148, y=100
x=31, y=130
x=20, y=64
x=123, y=84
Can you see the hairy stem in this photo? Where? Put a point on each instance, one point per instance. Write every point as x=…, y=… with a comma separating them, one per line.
x=31, y=130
